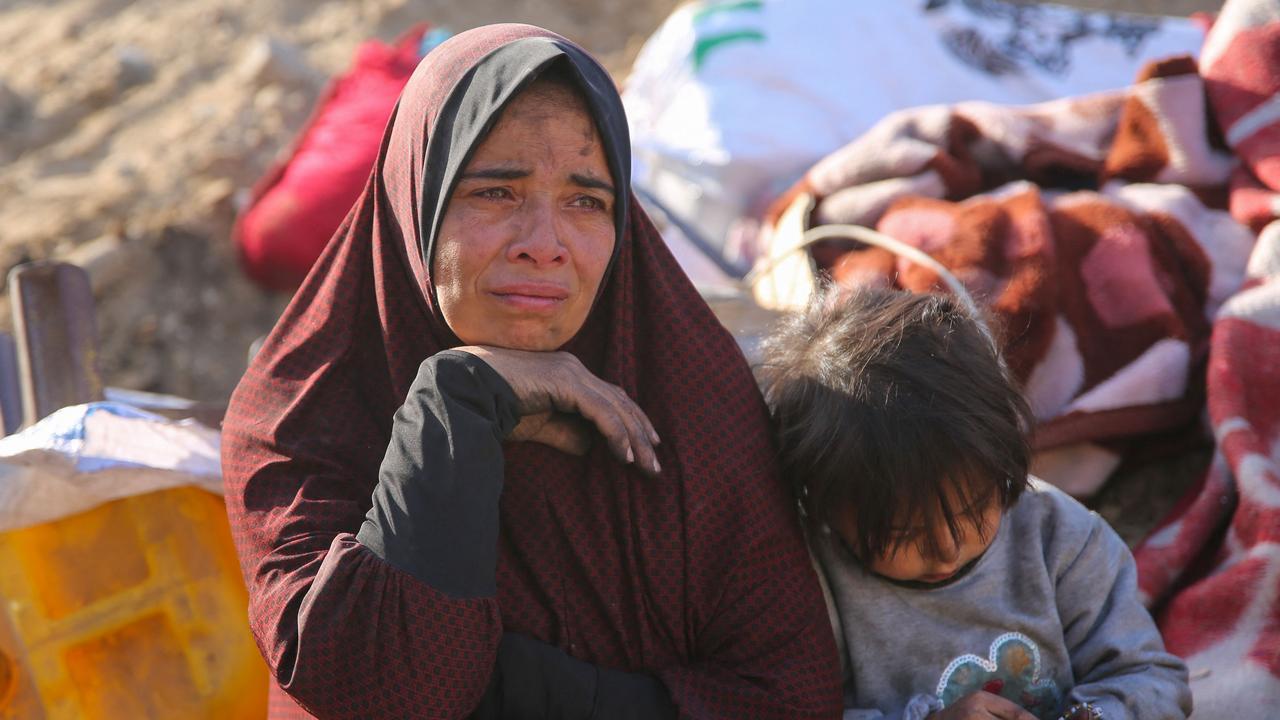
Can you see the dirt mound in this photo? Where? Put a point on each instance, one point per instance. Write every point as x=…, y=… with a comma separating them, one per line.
x=129, y=130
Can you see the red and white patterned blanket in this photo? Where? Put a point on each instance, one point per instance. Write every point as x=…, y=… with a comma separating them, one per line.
x=1116, y=238
x=1212, y=571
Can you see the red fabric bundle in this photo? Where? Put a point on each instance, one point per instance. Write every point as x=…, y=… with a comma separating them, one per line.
x=300, y=202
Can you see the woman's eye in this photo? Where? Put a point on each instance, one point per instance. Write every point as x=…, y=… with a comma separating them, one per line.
x=493, y=193
x=588, y=201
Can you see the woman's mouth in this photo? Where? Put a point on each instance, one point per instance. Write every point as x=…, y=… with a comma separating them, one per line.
x=531, y=296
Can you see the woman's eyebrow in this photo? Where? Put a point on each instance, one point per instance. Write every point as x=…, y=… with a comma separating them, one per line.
x=496, y=174
x=588, y=181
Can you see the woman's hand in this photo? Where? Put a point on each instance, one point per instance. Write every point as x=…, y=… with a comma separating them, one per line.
x=567, y=433
x=982, y=705
x=556, y=394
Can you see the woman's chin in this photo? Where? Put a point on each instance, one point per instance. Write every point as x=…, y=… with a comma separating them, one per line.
x=539, y=339
x=534, y=345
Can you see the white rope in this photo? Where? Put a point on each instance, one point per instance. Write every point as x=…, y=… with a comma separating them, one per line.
x=878, y=239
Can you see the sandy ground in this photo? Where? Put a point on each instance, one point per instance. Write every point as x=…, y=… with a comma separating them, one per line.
x=128, y=128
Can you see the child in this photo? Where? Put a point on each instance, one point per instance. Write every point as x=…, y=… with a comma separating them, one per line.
x=964, y=588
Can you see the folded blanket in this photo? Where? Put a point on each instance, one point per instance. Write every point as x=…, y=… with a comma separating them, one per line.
x=1104, y=295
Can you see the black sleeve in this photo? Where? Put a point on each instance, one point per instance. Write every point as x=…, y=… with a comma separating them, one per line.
x=435, y=516
x=435, y=508
x=533, y=680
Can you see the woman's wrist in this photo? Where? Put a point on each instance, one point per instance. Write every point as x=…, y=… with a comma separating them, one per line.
x=506, y=405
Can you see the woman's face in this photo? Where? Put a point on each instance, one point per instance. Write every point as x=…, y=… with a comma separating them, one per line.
x=528, y=231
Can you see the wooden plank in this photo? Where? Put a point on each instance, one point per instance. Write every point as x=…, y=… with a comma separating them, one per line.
x=57, y=337
x=10, y=388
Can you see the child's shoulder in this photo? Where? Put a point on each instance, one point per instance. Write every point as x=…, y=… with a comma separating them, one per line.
x=1044, y=497
x=1060, y=522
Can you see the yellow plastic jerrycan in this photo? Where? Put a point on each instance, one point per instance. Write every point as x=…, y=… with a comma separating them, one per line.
x=133, y=610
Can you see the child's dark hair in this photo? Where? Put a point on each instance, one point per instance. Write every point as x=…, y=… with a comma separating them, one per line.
x=882, y=400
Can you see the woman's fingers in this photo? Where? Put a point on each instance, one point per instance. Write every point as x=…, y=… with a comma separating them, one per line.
x=625, y=434
x=566, y=433
x=638, y=428
x=569, y=433
x=639, y=414
x=646, y=452
x=615, y=415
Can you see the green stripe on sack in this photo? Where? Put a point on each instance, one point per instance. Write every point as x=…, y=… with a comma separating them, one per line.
x=706, y=45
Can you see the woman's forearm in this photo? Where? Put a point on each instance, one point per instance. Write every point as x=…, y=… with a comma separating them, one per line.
x=400, y=619
x=435, y=508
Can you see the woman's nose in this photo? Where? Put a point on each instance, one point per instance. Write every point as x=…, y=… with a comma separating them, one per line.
x=538, y=240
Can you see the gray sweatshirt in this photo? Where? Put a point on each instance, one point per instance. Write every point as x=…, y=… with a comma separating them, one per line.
x=1047, y=617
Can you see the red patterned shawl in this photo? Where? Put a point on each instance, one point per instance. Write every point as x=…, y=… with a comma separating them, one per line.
x=699, y=576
